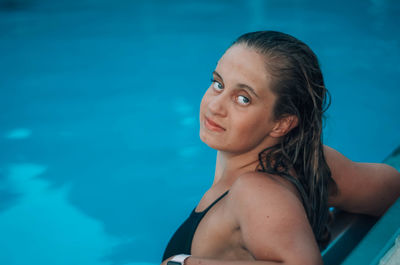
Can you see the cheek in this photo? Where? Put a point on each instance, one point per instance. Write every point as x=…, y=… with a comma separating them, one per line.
x=204, y=102
x=248, y=126
x=202, y=105
x=253, y=126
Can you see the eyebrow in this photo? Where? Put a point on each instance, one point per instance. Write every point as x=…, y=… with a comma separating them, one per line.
x=239, y=85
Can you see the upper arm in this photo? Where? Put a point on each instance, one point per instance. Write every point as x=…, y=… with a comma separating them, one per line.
x=368, y=188
x=273, y=223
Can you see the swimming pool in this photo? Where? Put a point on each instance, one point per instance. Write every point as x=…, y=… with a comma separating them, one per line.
x=100, y=157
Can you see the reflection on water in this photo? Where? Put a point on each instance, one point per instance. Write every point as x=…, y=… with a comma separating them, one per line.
x=20, y=133
x=44, y=221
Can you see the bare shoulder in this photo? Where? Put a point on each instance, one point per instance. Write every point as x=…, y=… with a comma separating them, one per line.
x=258, y=187
x=272, y=220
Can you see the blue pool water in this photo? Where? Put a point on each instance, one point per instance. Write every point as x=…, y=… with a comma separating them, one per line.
x=100, y=158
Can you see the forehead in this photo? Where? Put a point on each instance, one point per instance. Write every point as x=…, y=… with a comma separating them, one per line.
x=241, y=64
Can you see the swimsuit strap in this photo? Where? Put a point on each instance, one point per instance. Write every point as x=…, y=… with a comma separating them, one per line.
x=181, y=241
x=212, y=204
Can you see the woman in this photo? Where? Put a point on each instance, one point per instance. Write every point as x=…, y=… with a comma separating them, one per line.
x=274, y=179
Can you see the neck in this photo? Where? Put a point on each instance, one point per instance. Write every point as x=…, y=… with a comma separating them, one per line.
x=230, y=166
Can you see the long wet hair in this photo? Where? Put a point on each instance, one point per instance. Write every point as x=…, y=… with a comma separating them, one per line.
x=299, y=86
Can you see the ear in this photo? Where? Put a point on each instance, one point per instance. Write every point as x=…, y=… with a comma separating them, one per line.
x=284, y=125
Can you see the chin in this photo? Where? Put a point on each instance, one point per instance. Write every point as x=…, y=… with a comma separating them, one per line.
x=210, y=140
x=220, y=145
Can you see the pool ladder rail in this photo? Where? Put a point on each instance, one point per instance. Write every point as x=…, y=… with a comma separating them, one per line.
x=365, y=240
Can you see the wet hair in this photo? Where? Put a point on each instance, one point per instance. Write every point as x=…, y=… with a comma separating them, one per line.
x=298, y=83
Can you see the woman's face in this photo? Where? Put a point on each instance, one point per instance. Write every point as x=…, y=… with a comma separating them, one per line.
x=236, y=112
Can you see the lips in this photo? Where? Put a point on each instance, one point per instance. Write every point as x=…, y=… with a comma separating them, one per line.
x=213, y=126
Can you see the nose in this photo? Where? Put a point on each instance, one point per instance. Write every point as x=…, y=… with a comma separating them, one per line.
x=218, y=104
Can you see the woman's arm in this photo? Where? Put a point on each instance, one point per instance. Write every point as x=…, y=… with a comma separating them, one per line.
x=272, y=220
x=273, y=225
x=202, y=261
x=368, y=188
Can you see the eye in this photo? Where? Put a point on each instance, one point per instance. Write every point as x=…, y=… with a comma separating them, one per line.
x=216, y=85
x=243, y=100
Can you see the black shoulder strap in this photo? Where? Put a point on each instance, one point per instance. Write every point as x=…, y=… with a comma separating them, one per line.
x=217, y=200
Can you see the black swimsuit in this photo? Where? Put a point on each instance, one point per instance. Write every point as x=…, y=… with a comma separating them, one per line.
x=181, y=241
